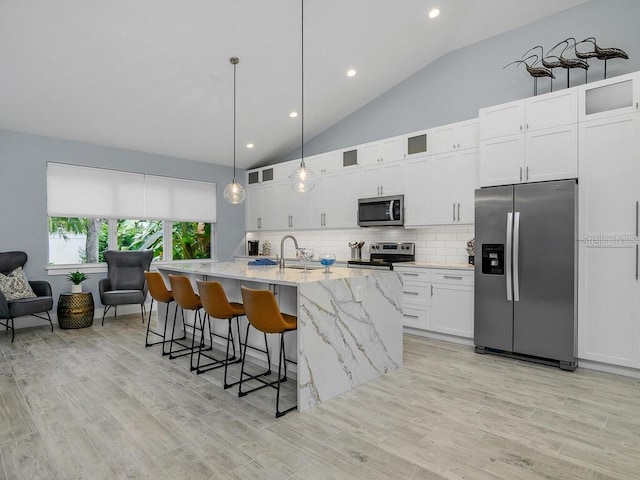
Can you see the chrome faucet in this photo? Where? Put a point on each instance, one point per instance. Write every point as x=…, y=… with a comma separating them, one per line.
x=295, y=243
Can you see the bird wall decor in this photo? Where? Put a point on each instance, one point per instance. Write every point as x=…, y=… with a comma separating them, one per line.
x=563, y=59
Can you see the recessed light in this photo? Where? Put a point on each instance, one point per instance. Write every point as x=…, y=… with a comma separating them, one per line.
x=250, y=145
x=293, y=114
x=351, y=73
x=434, y=13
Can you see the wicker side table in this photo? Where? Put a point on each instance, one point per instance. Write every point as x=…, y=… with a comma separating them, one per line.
x=75, y=310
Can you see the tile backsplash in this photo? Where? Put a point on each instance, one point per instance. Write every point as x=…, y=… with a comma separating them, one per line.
x=433, y=244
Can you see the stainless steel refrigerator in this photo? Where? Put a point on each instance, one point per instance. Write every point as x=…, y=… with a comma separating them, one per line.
x=526, y=271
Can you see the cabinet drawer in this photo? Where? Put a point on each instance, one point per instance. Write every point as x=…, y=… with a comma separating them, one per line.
x=414, y=275
x=416, y=294
x=453, y=277
x=416, y=318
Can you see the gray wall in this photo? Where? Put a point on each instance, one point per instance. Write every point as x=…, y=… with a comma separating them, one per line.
x=23, y=194
x=455, y=86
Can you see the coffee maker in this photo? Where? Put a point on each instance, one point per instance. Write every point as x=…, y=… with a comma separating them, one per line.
x=253, y=247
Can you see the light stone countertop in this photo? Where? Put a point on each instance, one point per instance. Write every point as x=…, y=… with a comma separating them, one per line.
x=448, y=266
x=270, y=274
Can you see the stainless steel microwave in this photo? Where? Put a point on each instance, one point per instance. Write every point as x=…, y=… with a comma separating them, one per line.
x=381, y=211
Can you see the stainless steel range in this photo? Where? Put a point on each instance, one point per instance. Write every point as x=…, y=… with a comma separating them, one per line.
x=383, y=255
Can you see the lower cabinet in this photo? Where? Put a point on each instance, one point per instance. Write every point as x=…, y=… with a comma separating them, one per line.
x=452, y=302
x=438, y=300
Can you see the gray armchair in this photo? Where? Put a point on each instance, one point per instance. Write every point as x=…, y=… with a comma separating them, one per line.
x=125, y=283
x=42, y=303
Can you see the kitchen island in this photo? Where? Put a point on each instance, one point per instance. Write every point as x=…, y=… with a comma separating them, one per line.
x=349, y=320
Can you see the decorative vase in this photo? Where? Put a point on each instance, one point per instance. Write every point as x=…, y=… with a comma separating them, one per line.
x=76, y=288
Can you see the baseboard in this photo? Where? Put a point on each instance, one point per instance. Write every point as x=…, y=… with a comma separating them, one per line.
x=608, y=368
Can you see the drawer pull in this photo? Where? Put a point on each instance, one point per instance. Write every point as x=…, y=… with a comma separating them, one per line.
x=410, y=274
x=410, y=316
x=411, y=293
x=452, y=277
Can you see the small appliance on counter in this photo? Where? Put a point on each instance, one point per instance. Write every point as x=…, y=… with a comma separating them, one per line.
x=253, y=247
x=383, y=255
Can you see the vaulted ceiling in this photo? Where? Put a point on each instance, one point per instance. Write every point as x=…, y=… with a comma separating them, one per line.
x=154, y=75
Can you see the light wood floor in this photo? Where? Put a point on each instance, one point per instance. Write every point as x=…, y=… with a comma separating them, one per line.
x=95, y=404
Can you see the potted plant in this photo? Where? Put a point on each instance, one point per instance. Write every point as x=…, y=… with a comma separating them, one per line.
x=76, y=278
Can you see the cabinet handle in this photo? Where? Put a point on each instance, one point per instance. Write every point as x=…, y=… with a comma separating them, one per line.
x=527, y=175
x=454, y=146
x=410, y=274
x=520, y=127
x=410, y=316
x=458, y=145
x=452, y=277
x=458, y=212
x=527, y=126
x=411, y=293
x=637, y=220
x=454, y=212
x=520, y=173
x=432, y=290
x=637, y=261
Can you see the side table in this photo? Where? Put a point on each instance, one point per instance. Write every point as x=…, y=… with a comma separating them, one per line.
x=75, y=310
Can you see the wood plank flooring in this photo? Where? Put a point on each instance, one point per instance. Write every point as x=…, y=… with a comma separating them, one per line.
x=95, y=404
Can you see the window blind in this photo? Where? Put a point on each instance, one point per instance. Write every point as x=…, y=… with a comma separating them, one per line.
x=75, y=191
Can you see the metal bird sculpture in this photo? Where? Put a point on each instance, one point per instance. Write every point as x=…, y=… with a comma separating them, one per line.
x=546, y=61
x=603, y=53
x=535, y=72
x=570, y=63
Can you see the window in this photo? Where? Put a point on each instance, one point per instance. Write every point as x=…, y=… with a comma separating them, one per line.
x=180, y=214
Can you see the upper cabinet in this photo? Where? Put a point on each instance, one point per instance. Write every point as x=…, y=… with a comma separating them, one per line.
x=610, y=97
x=530, y=140
x=382, y=151
x=455, y=136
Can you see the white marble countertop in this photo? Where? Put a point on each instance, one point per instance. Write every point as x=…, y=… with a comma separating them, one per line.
x=448, y=266
x=269, y=274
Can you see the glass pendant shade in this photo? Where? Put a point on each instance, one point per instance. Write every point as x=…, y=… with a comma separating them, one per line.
x=302, y=179
x=234, y=193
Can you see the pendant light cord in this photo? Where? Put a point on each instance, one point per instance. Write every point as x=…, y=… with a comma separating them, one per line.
x=302, y=83
x=234, y=117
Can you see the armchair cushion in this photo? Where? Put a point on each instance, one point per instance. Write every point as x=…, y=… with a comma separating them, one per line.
x=15, y=285
x=29, y=306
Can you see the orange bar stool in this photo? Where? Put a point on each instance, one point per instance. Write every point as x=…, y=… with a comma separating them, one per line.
x=264, y=315
x=159, y=293
x=186, y=299
x=217, y=306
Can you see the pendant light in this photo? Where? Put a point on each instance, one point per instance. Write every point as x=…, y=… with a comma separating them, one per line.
x=302, y=179
x=234, y=192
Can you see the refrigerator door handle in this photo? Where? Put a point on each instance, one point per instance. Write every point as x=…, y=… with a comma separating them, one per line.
x=516, y=259
x=508, y=255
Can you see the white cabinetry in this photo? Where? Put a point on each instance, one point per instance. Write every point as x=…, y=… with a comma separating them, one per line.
x=530, y=140
x=382, y=179
x=416, y=297
x=438, y=300
x=253, y=209
x=454, y=136
x=416, y=191
x=610, y=97
x=382, y=151
x=453, y=180
x=337, y=199
x=609, y=289
x=452, y=302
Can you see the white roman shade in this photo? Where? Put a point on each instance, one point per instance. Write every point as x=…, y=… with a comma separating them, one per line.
x=74, y=191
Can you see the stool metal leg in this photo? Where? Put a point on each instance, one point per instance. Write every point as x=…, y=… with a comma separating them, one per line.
x=282, y=359
x=253, y=377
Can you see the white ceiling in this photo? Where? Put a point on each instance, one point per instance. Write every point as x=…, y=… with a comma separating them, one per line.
x=154, y=75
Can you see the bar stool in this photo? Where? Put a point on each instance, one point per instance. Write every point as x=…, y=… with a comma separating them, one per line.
x=264, y=315
x=186, y=299
x=159, y=293
x=216, y=305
